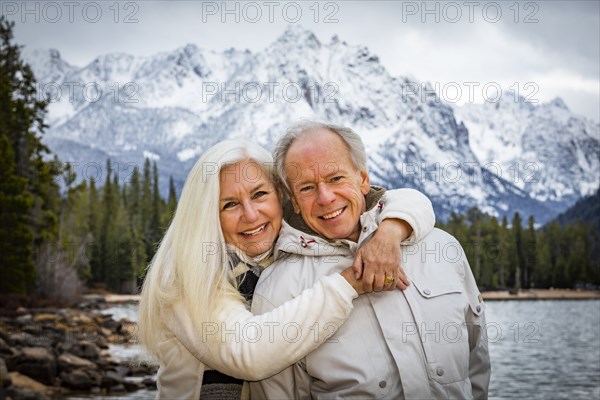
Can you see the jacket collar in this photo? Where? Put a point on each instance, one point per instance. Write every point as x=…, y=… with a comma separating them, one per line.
x=296, y=221
x=296, y=237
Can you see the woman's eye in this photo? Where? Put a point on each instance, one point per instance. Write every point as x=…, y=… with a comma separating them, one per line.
x=229, y=205
x=305, y=189
x=260, y=194
x=336, y=178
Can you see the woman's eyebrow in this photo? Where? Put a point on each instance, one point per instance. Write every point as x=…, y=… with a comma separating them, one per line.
x=257, y=187
x=254, y=189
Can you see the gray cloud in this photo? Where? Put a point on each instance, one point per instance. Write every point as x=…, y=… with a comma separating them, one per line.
x=559, y=47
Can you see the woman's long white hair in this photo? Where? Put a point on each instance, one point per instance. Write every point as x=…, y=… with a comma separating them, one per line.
x=190, y=264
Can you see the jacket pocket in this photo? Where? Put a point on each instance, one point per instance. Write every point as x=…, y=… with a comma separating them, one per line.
x=435, y=289
x=440, y=315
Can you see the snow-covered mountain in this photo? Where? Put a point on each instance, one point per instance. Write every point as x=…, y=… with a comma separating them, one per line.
x=173, y=105
x=544, y=149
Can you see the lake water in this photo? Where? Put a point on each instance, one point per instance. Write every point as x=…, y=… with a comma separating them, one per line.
x=545, y=349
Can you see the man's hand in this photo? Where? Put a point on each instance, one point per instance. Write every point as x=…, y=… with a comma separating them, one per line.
x=379, y=258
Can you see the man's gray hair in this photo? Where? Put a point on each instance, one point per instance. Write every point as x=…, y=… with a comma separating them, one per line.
x=356, y=147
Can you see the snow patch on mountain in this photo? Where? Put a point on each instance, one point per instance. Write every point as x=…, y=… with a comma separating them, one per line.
x=544, y=149
x=173, y=105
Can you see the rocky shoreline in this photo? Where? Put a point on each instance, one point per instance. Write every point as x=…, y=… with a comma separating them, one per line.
x=48, y=353
x=56, y=353
x=541, y=294
x=523, y=294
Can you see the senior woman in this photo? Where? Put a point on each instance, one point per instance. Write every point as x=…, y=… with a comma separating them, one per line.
x=194, y=311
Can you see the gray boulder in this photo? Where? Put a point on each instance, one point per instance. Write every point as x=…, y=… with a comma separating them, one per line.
x=5, y=379
x=36, y=362
x=80, y=379
x=82, y=348
x=68, y=362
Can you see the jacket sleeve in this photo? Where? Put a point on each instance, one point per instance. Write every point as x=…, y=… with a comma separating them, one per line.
x=479, y=357
x=253, y=347
x=411, y=206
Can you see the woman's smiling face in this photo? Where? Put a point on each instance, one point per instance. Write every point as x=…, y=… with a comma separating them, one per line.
x=249, y=207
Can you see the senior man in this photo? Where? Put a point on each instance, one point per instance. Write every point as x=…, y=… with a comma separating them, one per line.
x=422, y=343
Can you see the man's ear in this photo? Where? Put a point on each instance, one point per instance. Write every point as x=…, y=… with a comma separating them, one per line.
x=365, y=183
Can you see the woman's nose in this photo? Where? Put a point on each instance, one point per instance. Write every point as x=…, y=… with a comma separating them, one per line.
x=250, y=212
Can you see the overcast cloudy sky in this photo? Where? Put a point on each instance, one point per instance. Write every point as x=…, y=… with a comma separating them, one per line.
x=544, y=49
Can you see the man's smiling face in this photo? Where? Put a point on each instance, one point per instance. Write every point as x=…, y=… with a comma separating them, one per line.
x=328, y=190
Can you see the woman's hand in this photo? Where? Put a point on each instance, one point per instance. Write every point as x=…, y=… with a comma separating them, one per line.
x=377, y=262
x=350, y=276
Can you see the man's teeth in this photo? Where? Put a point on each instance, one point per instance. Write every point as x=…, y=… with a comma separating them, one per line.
x=254, y=232
x=333, y=214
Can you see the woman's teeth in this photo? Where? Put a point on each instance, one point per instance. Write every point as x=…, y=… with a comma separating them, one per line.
x=254, y=232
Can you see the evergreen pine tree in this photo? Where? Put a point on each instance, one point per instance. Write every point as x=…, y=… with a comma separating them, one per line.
x=138, y=251
x=30, y=196
x=474, y=217
x=146, y=210
x=94, y=218
x=490, y=253
x=172, y=202
x=105, y=238
x=542, y=276
x=504, y=250
x=16, y=236
x=578, y=263
x=556, y=269
x=155, y=225
x=124, y=277
x=530, y=253
x=517, y=235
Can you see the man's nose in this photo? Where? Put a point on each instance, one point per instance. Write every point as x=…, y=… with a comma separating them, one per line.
x=325, y=195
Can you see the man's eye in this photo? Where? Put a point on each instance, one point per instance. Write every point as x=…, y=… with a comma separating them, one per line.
x=337, y=178
x=260, y=194
x=229, y=205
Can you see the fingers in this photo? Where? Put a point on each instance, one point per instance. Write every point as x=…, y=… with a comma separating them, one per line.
x=389, y=283
x=348, y=274
x=403, y=278
x=400, y=280
x=400, y=284
x=358, y=266
x=401, y=275
x=374, y=278
x=379, y=282
x=368, y=281
x=382, y=280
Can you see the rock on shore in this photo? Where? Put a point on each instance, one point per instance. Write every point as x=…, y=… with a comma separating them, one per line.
x=44, y=353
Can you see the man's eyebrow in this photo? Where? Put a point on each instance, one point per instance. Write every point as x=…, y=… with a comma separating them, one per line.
x=301, y=183
x=337, y=171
